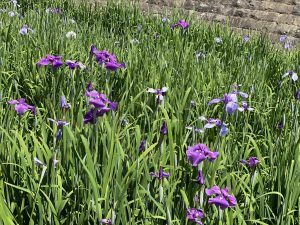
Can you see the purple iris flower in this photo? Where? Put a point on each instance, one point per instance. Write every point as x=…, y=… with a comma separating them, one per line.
x=236, y=91
x=74, y=64
x=160, y=93
x=142, y=146
x=25, y=30
x=222, y=197
x=195, y=215
x=55, y=61
x=246, y=38
x=282, y=38
x=106, y=221
x=245, y=107
x=197, y=130
x=21, y=106
x=104, y=57
x=297, y=94
x=64, y=104
x=280, y=125
x=90, y=86
x=182, y=23
x=230, y=101
x=201, y=178
x=210, y=123
x=164, y=128
x=251, y=162
x=101, y=106
x=288, y=45
x=59, y=124
x=160, y=175
x=292, y=74
x=199, y=152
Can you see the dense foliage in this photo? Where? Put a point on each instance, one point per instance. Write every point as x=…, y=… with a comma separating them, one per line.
x=138, y=162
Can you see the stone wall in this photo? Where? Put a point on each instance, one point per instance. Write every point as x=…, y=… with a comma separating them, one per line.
x=274, y=17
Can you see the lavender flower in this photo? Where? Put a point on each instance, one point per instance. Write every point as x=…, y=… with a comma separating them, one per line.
x=165, y=19
x=59, y=125
x=55, y=61
x=288, y=45
x=199, y=152
x=182, y=23
x=236, y=91
x=292, y=74
x=25, y=30
x=160, y=175
x=215, y=123
x=160, y=93
x=197, y=130
x=64, y=104
x=230, y=101
x=246, y=38
x=90, y=86
x=245, y=107
x=21, y=106
x=106, y=221
x=251, y=162
x=282, y=38
x=222, y=198
x=195, y=215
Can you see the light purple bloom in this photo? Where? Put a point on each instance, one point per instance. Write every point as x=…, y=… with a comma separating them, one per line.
x=90, y=86
x=165, y=20
x=106, y=221
x=197, y=130
x=215, y=123
x=55, y=61
x=236, y=91
x=245, y=107
x=222, y=198
x=292, y=74
x=230, y=101
x=246, y=38
x=64, y=104
x=288, y=45
x=199, y=152
x=160, y=93
x=251, y=162
x=182, y=23
x=25, y=30
x=195, y=215
x=160, y=175
x=282, y=38
x=21, y=106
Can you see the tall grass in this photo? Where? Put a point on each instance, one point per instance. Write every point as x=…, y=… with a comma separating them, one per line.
x=101, y=172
